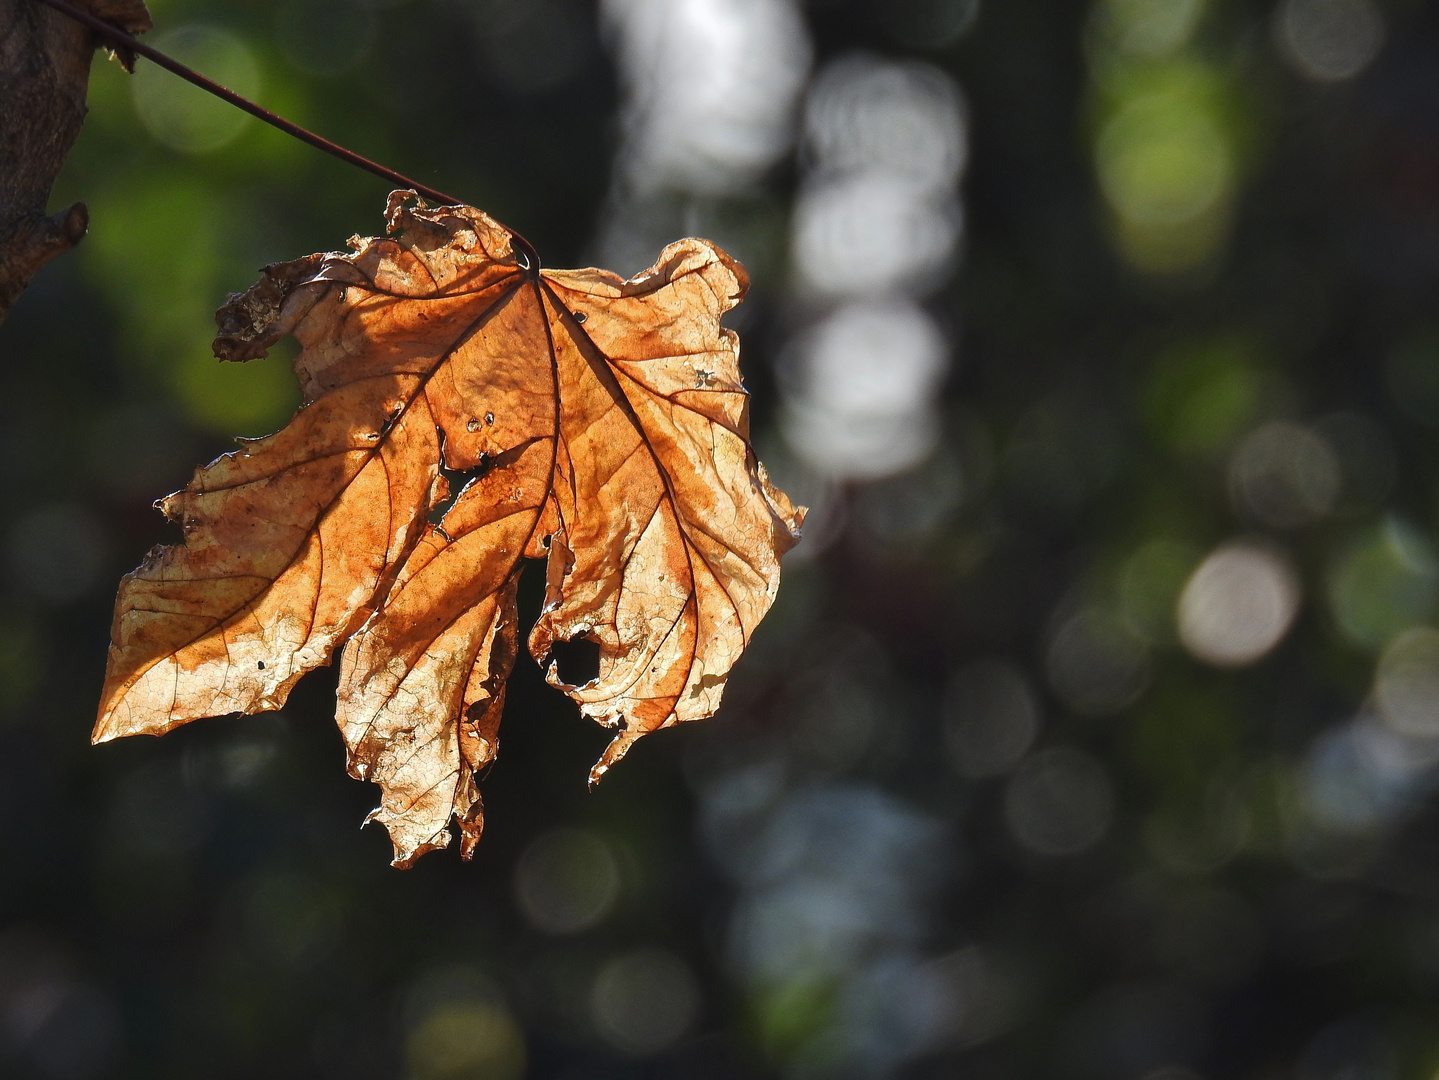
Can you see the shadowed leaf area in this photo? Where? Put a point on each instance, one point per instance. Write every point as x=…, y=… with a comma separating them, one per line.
x=464, y=411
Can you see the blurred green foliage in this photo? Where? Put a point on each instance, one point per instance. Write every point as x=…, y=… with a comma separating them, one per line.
x=1195, y=309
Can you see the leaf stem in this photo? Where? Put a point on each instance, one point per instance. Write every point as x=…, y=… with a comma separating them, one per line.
x=129, y=42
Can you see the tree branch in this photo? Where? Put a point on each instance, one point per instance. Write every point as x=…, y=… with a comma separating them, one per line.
x=44, y=73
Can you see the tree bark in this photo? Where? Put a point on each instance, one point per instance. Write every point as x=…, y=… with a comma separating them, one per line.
x=44, y=72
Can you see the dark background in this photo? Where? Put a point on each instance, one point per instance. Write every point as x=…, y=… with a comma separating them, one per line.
x=1184, y=869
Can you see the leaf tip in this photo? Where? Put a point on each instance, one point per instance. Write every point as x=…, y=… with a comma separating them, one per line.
x=471, y=826
x=619, y=746
x=109, y=724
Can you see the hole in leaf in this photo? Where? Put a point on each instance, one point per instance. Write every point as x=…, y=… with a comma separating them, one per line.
x=457, y=480
x=578, y=660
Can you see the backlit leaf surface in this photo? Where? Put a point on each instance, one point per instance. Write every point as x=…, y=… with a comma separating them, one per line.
x=600, y=424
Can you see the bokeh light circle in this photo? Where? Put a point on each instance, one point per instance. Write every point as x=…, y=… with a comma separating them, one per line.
x=643, y=1001
x=872, y=232
x=1162, y=163
x=863, y=115
x=467, y=1040
x=567, y=881
x=1060, y=802
x=992, y=717
x=1383, y=581
x=184, y=117
x=866, y=375
x=1238, y=604
x=1329, y=40
x=1284, y=474
x=1096, y=664
x=1406, y=684
x=1149, y=28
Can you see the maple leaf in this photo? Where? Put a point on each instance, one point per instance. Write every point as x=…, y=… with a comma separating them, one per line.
x=602, y=426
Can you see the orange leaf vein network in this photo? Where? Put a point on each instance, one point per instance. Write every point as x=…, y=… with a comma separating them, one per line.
x=602, y=426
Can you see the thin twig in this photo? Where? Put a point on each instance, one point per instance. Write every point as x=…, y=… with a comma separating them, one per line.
x=128, y=41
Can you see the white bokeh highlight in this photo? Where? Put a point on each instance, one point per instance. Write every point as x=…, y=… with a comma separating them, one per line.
x=873, y=233
x=1238, y=604
x=1329, y=40
x=1406, y=684
x=709, y=88
x=710, y=104
x=867, y=374
x=876, y=228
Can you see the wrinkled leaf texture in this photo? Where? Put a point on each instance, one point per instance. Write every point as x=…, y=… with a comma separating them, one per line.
x=602, y=426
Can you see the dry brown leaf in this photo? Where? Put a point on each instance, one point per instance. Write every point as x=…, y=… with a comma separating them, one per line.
x=604, y=428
